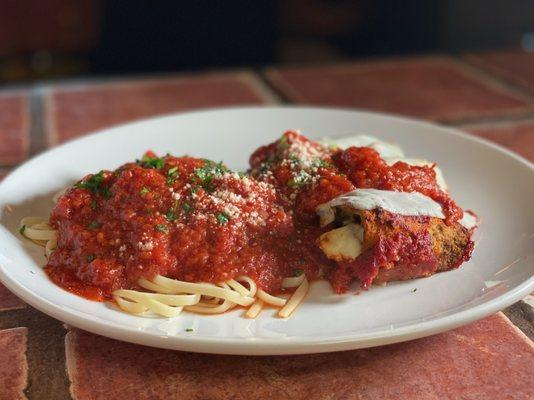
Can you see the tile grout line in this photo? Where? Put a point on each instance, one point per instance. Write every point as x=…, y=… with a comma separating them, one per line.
x=253, y=78
x=467, y=59
x=45, y=339
x=38, y=141
x=282, y=97
x=41, y=329
x=491, y=79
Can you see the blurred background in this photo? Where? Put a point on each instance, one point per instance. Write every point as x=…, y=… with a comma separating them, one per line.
x=52, y=39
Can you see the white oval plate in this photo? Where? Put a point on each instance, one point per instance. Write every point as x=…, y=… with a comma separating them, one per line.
x=497, y=184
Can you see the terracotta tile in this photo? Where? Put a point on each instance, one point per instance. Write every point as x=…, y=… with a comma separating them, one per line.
x=13, y=366
x=489, y=359
x=8, y=301
x=431, y=88
x=514, y=66
x=517, y=136
x=14, y=127
x=73, y=111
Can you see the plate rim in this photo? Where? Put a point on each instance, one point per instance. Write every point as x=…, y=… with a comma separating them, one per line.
x=266, y=346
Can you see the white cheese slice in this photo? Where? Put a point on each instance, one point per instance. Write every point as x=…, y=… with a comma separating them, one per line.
x=402, y=203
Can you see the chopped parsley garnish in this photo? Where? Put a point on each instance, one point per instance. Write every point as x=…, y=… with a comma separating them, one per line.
x=222, y=218
x=320, y=163
x=93, y=225
x=94, y=184
x=90, y=257
x=151, y=162
x=105, y=192
x=162, y=228
x=294, y=159
x=22, y=229
x=203, y=174
x=299, y=179
x=209, y=171
x=414, y=290
x=144, y=191
x=172, y=174
x=187, y=207
x=93, y=204
x=241, y=174
x=189, y=329
x=298, y=272
x=170, y=216
x=283, y=143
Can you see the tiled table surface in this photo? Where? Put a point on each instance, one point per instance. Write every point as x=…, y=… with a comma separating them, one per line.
x=489, y=94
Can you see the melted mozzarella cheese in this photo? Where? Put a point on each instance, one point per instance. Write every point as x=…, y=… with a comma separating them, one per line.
x=468, y=221
x=402, y=203
x=342, y=243
x=385, y=149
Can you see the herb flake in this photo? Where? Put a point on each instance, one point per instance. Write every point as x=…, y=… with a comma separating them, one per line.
x=209, y=171
x=170, y=216
x=222, y=218
x=93, y=225
x=148, y=161
x=172, y=175
x=162, y=228
x=94, y=184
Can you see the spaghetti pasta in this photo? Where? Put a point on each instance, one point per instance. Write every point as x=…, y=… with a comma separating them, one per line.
x=40, y=232
x=171, y=296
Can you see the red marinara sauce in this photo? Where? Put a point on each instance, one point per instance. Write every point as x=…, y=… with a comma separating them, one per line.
x=366, y=169
x=185, y=218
